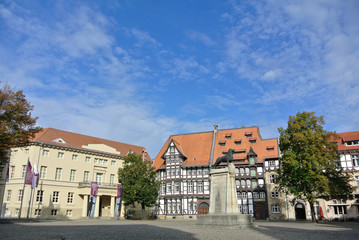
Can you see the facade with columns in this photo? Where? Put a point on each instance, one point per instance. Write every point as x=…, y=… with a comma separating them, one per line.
x=67, y=164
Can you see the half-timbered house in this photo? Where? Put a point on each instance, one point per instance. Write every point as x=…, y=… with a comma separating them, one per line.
x=184, y=162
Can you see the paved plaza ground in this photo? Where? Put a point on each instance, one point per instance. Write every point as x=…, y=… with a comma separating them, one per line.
x=172, y=229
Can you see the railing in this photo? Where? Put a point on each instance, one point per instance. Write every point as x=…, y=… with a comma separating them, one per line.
x=100, y=185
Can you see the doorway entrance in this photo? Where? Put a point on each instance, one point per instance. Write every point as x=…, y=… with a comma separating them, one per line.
x=260, y=211
x=203, y=208
x=299, y=211
x=105, y=206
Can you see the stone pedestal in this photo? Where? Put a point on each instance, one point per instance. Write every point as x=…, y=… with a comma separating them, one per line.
x=223, y=210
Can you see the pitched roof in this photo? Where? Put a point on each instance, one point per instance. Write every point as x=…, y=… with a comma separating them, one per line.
x=347, y=136
x=76, y=140
x=197, y=146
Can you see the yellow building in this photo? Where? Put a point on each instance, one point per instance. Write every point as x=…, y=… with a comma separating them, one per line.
x=67, y=164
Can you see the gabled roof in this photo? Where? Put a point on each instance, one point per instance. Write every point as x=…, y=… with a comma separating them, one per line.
x=178, y=147
x=345, y=137
x=197, y=146
x=76, y=140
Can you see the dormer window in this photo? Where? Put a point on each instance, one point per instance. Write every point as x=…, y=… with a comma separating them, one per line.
x=352, y=143
x=222, y=143
x=238, y=141
x=252, y=140
x=248, y=134
x=228, y=135
x=59, y=140
x=270, y=148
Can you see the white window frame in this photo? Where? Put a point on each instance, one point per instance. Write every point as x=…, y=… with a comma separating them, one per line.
x=199, y=187
x=72, y=175
x=19, y=198
x=86, y=176
x=355, y=158
x=190, y=187
x=39, y=195
x=45, y=153
x=53, y=212
x=23, y=171
x=70, y=197
x=112, y=179
x=177, y=187
x=37, y=212
x=58, y=174
x=275, y=209
x=12, y=174
x=55, y=196
x=68, y=213
x=274, y=194
x=43, y=172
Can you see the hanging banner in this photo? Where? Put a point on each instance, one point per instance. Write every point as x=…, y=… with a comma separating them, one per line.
x=118, y=201
x=28, y=176
x=92, y=200
x=35, y=177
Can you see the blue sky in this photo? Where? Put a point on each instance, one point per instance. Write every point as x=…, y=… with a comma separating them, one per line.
x=138, y=71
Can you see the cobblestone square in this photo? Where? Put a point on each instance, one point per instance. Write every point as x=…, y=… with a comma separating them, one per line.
x=172, y=229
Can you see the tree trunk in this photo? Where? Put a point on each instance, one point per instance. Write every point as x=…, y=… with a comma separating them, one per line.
x=143, y=211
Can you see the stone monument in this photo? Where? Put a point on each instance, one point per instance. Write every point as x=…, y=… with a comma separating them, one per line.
x=223, y=208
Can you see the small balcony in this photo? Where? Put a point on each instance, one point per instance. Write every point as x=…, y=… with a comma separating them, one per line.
x=100, y=185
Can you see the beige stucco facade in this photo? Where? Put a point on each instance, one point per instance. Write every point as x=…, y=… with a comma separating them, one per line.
x=64, y=185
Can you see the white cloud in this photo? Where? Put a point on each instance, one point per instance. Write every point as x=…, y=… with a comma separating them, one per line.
x=83, y=33
x=309, y=50
x=144, y=38
x=200, y=37
x=187, y=69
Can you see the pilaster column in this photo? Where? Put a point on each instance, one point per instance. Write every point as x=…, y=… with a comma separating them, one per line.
x=84, y=205
x=97, y=206
x=112, y=208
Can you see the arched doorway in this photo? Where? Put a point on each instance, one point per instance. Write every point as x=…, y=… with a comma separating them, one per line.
x=260, y=211
x=299, y=211
x=203, y=208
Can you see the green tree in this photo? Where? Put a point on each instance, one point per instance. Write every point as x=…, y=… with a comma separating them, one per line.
x=309, y=165
x=16, y=123
x=139, y=182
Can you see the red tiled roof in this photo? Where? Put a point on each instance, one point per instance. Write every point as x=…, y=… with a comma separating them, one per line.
x=76, y=140
x=198, y=146
x=347, y=136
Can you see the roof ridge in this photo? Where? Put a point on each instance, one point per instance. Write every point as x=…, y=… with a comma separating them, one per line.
x=47, y=129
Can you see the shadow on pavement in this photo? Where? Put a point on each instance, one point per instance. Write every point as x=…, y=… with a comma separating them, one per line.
x=116, y=232
x=317, y=232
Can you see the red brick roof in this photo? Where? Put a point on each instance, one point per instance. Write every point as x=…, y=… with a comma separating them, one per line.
x=76, y=140
x=347, y=136
x=197, y=146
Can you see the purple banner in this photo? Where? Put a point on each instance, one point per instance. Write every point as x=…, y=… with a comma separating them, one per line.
x=94, y=188
x=92, y=200
x=28, y=176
